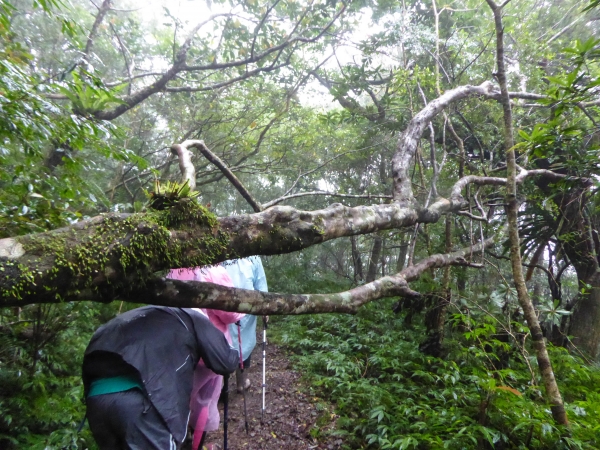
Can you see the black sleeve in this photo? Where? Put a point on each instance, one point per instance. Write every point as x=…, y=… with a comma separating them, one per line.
x=213, y=347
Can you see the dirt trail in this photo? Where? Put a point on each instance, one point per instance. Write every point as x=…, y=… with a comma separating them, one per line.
x=290, y=412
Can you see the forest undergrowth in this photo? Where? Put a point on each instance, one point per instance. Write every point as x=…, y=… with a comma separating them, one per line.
x=483, y=393
x=480, y=394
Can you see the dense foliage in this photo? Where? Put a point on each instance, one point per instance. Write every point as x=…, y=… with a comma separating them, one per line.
x=480, y=394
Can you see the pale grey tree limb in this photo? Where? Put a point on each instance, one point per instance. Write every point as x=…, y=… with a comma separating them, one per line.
x=214, y=159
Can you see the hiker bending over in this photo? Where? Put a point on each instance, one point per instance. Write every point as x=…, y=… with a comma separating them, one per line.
x=246, y=273
x=138, y=372
x=207, y=384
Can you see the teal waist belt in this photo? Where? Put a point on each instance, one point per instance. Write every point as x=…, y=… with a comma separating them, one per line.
x=114, y=384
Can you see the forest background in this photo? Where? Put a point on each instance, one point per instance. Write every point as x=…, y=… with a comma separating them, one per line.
x=403, y=111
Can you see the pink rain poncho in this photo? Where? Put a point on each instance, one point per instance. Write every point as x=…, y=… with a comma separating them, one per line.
x=207, y=386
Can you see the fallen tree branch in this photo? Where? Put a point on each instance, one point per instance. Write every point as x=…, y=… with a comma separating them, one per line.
x=176, y=293
x=114, y=252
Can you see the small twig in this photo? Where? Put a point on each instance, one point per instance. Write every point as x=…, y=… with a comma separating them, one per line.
x=471, y=216
x=477, y=203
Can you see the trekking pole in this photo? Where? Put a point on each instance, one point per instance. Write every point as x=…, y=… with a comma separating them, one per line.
x=264, y=384
x=239, y=325
x=225, y=409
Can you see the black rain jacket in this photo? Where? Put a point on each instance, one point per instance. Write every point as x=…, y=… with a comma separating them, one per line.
x=162, y=346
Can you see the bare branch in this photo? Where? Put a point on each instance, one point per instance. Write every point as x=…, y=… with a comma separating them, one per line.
x=564, y=29
x=168, y=292
x=378, y=105
x=584, y=110
x=289, y=41
x=180, y=65
x=379, y=82
x=188, y=171
x=478, y=204
x=408, y=142
x=124, y=52
x=208, y=295
x=456, y=195
x=223, y=168
x=320, y=166
x=539, y=97
x=260, y=24
x=471, y=216
x=135, y=77
x=330, y=194
x=352, y=105
x=229, y=82
x=476, y=180
x=102, y=11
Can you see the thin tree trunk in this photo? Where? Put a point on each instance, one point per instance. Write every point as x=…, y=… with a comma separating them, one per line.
x=584, y=325
x=554, y=397
x=436, y=316
x=375, y=256
x=356, y=260
x=402, y=255
x=383, y=260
